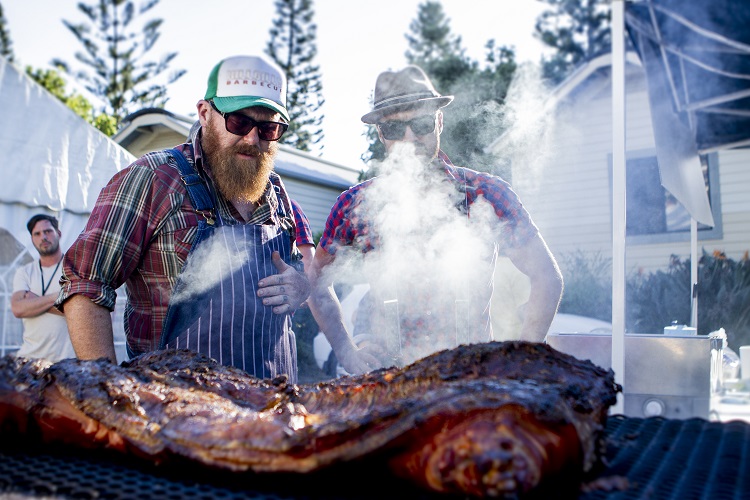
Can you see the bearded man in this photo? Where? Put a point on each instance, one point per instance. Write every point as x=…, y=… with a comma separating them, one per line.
x=203, y=236
x=426, y=235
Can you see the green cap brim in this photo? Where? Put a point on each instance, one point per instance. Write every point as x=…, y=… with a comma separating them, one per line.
x=234, y=103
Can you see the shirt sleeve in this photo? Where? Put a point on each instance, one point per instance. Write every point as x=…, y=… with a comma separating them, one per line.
x=514, y=222
x=340, y=226
x=303, y=233
x=127, y=214
x=21, y=280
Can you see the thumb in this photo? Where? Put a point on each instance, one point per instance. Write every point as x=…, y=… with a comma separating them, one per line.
x=281, y=266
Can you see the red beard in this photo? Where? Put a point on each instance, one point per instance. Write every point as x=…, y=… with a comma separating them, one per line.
x=239, y=179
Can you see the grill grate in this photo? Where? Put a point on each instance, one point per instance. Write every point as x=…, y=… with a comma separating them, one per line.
x=661, y=459
x=57, y=472
x=52, y=474
x=677, y=459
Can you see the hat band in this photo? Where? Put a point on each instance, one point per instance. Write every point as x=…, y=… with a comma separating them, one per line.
x=401, y=99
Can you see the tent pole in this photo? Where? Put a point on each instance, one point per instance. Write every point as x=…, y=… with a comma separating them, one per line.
x=618, y=196
x=694, y=273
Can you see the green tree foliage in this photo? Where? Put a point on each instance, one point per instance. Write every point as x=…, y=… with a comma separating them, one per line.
x=375, y=153
x=6, y=44
x=657, y=299
x=292, y=46
x=51, y=80
x=434, y=48
x=588, y=285
x=472, y=121
x=654, y=300
x=115, y=51
x=577, y=29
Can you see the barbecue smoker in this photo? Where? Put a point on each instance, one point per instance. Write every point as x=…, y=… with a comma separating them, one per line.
x=669, y=375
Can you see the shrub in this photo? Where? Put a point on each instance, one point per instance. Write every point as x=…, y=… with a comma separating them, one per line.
x=657, y=299
x=588, y=285
x=654, y=300
x=724, y=297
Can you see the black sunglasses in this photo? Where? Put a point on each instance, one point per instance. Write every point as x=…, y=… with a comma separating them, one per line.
x=394, y=130
x=239, y=124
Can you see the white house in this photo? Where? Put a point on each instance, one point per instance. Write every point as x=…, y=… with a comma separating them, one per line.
x=562, y=170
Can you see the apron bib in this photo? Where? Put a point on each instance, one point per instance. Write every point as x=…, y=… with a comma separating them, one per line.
x=214, y=308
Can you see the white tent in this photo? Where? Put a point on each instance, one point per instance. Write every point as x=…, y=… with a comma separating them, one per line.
x=52, y=162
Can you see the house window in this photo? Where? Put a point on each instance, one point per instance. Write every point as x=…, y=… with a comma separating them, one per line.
x=653, y=214
x=646, y=198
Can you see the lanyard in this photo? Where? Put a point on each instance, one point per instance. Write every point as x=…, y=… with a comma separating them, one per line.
x=45, y=288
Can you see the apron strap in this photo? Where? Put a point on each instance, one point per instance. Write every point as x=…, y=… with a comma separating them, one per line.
x=195, y=185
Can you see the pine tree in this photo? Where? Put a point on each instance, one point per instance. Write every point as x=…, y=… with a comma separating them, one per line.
x=375, y=152
x=115, y=52
x=434, y=48
x=51, y=80
x=474, y=119
x=578, y=29
x=292, y=46
x=6, y=44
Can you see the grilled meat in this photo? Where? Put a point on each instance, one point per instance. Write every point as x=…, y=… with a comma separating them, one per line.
x=486, y=420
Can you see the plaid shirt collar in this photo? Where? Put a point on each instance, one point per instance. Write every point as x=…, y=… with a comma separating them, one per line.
x=267, y=210
x=442, y=161
x=466, y=194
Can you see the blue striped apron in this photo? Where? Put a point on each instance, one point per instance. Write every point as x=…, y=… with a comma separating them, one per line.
x=226, y=319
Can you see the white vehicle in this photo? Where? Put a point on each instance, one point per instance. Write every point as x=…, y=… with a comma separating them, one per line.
x=326, y=359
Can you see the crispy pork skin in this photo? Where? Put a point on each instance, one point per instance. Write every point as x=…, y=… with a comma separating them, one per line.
x=484, y=420
x=21, y=384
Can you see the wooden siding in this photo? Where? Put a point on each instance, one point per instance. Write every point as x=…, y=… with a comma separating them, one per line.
x=735, y=181
x=154, y=142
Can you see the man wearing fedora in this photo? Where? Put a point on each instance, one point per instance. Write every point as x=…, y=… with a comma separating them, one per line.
x=203, y=236
x=480, y=206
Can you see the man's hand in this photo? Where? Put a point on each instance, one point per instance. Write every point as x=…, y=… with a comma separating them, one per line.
x=327, y=312
x=356, y=360
x=285, y=291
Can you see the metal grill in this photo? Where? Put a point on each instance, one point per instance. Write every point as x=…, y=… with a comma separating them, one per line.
x=57, y=473
x=677, y=459
x=658, y=458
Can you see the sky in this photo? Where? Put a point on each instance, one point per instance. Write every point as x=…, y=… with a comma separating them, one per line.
x=357, y=39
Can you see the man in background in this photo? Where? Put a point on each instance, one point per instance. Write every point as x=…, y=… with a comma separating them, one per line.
x=35, y=289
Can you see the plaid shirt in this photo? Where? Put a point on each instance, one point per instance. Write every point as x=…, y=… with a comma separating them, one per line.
x=302, y=223
x=140, y=233
x=344, y=226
